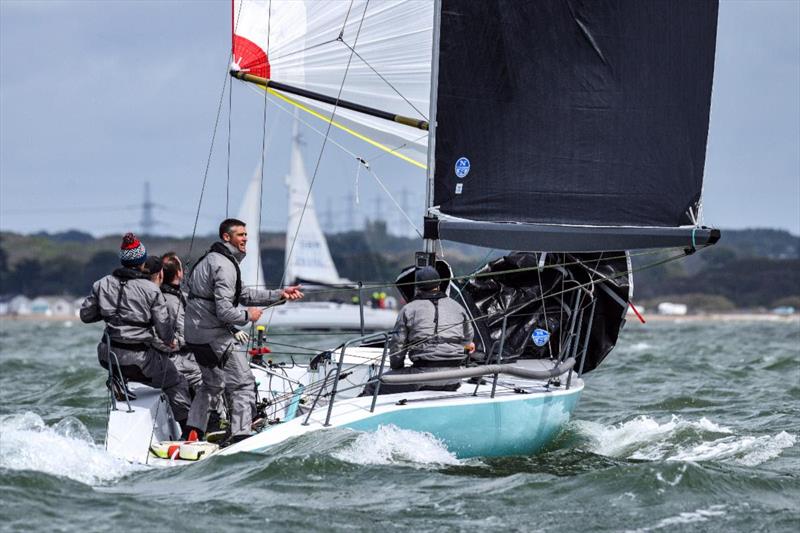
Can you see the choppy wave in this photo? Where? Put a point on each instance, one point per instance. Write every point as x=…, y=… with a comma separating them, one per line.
x=65, y=449
x=678, y=439
x=688, y=517
x=392, y=445
x=640, y=346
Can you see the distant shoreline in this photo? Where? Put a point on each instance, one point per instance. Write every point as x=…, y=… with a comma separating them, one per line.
x=718, y=317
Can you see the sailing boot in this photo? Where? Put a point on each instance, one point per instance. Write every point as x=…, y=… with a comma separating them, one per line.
x=192, y=434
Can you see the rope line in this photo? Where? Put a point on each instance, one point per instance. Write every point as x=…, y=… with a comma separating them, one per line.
x=208, y=165
x=319, y=384
x=387, y=82
x=322, y=148
x=348, y=287
x=263, y=147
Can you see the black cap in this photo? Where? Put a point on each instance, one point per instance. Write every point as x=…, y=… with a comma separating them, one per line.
x=427, y=278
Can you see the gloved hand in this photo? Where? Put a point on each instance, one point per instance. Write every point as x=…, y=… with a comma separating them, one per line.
x=241, y=337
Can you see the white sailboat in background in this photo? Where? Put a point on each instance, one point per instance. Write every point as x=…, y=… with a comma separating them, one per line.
x=308, y=261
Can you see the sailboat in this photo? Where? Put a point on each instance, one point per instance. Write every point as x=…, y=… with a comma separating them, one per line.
x=308, y=262
x=574, y=133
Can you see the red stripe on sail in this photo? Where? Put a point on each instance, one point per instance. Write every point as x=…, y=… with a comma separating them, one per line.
x=250, y=57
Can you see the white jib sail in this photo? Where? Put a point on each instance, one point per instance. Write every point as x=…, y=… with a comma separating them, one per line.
x=249, y=213
x=307, y=255
x=309, y=44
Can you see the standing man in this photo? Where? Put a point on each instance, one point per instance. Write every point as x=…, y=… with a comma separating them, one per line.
x=136, y=315
x=212, y=314
x=433, y=330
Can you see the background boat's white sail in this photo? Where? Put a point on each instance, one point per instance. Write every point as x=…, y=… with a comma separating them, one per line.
x=307, y=44
x=307, y=255
x=249, y=213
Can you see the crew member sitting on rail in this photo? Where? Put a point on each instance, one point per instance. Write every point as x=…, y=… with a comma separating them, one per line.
x=136, y=314
x=433, y=330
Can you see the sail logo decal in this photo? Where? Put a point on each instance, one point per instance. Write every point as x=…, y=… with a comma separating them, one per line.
x=540, y=337
x=462, y=167
x=459, y=188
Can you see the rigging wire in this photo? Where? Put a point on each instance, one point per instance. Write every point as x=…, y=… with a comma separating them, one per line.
x=361, y=161
x=228, y=180
x=208, y=165
x=302, y=50
x=387, y=82
x=341, y=287
x=389, y=194
x=320, y=384
x=322, y=148
x=350, y=131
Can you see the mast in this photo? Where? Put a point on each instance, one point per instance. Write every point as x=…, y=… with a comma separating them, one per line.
x=430, y=240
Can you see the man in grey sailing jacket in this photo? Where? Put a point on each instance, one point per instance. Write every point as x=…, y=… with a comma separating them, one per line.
x=433, y=330
x=212, y=317
x=136, y=315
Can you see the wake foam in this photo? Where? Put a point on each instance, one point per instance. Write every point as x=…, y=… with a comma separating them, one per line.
x=640, y=347
x=644, y=438
x=65, y=449
x=392, y=445
x=689, y=517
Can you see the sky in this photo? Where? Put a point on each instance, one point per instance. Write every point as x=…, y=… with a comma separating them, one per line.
x=97, y=98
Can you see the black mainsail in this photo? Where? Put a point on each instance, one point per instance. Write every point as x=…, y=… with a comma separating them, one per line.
x=571, y=125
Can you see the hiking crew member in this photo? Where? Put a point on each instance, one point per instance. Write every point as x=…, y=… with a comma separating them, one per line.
x=433, y=330
x=136, y=315
x=212, y=312
x=181, y=357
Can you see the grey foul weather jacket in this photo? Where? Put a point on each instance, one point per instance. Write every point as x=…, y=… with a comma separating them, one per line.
x=426, y=335
x=131, y=305
x=211, y=311
x=176, y=306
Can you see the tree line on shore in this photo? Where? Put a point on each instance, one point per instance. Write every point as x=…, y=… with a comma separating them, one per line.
x=747, y=269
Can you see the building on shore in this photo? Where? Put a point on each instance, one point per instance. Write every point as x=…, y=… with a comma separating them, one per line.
x=45, y=306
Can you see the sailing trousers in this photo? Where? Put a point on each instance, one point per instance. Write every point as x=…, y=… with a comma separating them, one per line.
x=188, y=367
x=229, y=371
x=153, y=369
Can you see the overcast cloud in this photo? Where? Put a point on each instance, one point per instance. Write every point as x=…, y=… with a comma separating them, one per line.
x=98, y=97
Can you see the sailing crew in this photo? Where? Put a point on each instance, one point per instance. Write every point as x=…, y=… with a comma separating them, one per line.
x=171, y=268
x=136, y=315
x=433, y=330
x=212, y=316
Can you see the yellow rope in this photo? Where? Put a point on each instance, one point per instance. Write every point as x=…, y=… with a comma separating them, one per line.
x=344, y=128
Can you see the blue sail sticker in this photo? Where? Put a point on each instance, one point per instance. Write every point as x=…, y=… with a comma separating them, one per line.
x=462, y=167
x=540, y=337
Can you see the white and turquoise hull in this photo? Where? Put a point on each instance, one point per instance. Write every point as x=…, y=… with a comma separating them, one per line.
x=511, y=423
x=488, y=428
x=522, y=417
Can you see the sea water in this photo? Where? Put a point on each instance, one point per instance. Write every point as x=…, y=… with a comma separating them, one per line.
x=687, y=426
